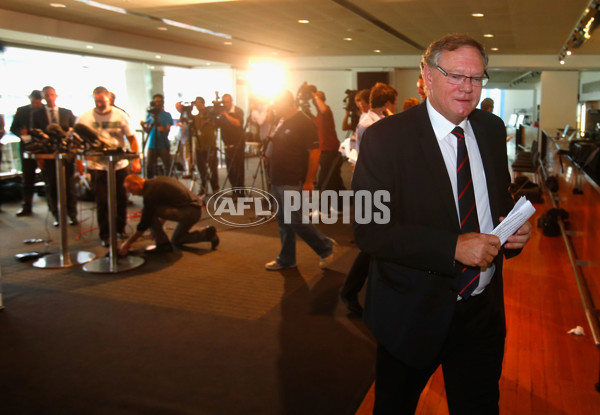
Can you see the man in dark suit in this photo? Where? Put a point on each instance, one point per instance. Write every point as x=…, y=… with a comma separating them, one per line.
x=417, y=305
x=51, y=114
x=21, y=124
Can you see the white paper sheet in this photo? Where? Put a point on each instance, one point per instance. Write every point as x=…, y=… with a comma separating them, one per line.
x=519, y=214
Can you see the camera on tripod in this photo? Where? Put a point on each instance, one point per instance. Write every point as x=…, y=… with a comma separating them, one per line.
x=304, y=96
x=350, y=106
x=154, y=108
x=217, y=108
x=185, y=109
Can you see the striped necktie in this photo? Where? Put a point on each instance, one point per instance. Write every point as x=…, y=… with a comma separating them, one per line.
x=469, y=276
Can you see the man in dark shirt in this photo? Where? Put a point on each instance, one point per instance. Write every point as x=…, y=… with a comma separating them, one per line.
x=231, y=122
x=294, y=159
x=21, y=124
x=166, y=198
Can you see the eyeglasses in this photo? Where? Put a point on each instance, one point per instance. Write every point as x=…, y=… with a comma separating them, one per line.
x=457, y=79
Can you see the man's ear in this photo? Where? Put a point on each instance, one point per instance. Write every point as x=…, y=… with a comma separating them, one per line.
x=427, y=76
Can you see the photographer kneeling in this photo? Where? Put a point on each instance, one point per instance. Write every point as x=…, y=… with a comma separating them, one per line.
x=166, y=198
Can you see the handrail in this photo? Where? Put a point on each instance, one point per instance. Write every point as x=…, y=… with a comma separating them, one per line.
x=582, y=286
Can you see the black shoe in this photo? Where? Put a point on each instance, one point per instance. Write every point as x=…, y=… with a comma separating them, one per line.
x=211, y=233
x=160, y=249
x=352, y=305
x=24, y=212
x=55, y=224
x=73, y=221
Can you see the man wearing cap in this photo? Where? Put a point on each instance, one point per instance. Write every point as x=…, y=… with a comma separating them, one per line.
x=22, y=123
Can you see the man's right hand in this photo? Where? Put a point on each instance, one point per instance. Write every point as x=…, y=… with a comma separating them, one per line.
x=477, y=249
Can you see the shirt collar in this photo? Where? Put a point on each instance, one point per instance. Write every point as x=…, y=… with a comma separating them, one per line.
x=441, y=126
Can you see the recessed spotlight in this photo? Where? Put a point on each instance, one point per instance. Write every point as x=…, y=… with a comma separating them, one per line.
x=569, y=53
x=58, y=5
x=162, y=28
x=377, y=50
x=228, y=43
x=477, y=14
x=89, y=47
x=562, y=61
x=348, y=39
x=303, y=21
x=494, y=49
x=488, y=35
x=158, y=57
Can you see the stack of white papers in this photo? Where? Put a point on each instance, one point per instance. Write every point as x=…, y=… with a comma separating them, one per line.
x=519, y=214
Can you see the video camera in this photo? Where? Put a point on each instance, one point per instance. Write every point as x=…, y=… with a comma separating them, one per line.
x=350, y=106
x=154, y=108
x=217, y=108
x=304, y=96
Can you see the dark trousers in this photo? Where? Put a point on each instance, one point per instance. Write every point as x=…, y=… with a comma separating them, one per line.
x=234, y=159
x=208, y=167
x=51, y=188
x=28, y=166
x=100, y=180
x=151, y=162
x=330, y=166
x=185, y=217
x=471, y=360
x=356, y=277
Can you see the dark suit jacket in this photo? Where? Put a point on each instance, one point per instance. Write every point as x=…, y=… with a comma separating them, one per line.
x=413, y=279
x=23, y=119
x=66, y=119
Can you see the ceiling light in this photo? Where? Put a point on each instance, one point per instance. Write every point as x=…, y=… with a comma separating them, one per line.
x=348, y=39
x=195, y=28
x=488, y=35
x=58, y=5
x=377, y=50
x=569, y=53
x=164, y=29
x=494, y=49
x=228, y=43
x=158, y=57
x=89, y=47
x=477, y=14
x=303, y=21
x=103, y=6
x=562, y=61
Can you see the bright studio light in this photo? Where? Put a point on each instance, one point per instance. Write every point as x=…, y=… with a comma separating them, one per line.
x=266, y=79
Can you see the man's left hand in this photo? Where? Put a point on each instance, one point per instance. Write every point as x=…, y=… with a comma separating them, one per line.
x=520, y=237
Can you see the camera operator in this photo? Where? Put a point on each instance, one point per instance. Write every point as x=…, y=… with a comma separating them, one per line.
x=206, y=147
x=157, y=125
x=184, y=146
x=330, y=177
x=231, y=122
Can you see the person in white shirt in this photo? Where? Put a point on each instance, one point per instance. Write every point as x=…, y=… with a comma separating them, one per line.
x=113, y=129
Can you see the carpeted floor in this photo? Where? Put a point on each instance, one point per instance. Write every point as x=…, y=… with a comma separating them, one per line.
x=190, y=332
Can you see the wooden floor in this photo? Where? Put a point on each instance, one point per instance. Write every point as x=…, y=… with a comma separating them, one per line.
x=546, y=371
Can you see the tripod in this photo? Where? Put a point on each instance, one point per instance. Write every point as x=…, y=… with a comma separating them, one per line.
x=260, y=167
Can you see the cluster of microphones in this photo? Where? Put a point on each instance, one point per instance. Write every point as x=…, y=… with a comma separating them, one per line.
x=79, y=139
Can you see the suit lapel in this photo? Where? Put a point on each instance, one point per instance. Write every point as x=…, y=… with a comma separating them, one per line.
x=435, y=164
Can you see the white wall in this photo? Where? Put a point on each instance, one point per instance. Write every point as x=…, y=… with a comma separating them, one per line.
x=559, y=98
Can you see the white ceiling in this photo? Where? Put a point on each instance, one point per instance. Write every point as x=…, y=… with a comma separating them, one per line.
x=525, y=28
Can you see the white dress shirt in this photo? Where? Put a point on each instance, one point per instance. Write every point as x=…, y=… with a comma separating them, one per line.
x=447, y=142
